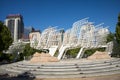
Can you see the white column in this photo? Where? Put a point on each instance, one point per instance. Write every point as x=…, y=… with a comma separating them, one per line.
x=16, y=30
x=6, y=22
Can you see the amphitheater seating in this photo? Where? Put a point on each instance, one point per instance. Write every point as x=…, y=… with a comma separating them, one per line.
x=66, y=68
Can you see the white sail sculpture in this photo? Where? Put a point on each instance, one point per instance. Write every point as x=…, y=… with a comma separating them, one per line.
x=83, y=34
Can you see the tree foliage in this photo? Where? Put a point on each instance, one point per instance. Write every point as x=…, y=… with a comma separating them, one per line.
x=110, y=37
x=29, y=51
x=5, y=37
x=7, y=57
x=117, y=33
x=116, y=46
x=17, y=47
x=5, y=42
x=56, y=53
x=89, y=52
x=72, y=52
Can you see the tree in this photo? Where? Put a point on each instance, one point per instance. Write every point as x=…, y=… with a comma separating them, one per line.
x=110, y=37
x=116, y=46
x=89, y=52
x=16, y=47
x=5, y=42
x=28, y=51
x=117, y=34
x=5, y=37
x=72, y=53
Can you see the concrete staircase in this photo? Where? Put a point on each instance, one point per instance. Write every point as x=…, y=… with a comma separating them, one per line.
x=66, y=69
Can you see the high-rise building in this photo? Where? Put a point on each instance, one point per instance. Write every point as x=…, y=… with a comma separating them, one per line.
x=27, y=30
x=15, y=24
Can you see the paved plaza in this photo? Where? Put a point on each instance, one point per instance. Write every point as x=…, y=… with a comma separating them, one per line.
x=70, y=68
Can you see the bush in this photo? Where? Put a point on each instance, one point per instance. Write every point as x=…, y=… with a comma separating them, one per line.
x=89, y=52
x=7, y=57
x=29, y=51
x=116, y=50
x=72, y=53
x=56, y=53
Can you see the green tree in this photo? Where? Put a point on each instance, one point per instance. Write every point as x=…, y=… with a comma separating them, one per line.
x=110, y=37
x=5, y=42
x=117, y=33
x=5, y=37
x=28, y=51
x=72, y=53
x=17, y=47
x=116, y=46
x=89, y=52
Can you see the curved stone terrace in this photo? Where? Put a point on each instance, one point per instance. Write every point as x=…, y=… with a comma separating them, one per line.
x=72, y=68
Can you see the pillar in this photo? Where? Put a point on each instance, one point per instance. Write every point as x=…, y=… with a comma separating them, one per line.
x=16, y=30
x=6, y=22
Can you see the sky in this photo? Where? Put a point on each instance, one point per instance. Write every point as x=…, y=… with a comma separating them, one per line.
x=62, y=13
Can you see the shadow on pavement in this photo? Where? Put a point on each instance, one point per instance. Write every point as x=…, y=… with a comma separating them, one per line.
x=23, y=76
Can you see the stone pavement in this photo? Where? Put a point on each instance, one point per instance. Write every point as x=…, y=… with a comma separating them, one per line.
x=72, y=68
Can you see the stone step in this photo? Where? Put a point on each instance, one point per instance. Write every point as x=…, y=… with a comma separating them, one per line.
x=76, y=69
x=69, y=64
x=99, y=67
x=72, y=75
x=81, y=71
x=56, y=73
x=64, y=66
x=69, y=71
x=65, y=69
x=14, y=70
x=81, y=66
x=100, y=70
x=41, y=69
x=77, y=75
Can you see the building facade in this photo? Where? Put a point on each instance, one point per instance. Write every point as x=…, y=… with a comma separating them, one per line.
x=15, y=24
x=34, y=38
x=27, y=31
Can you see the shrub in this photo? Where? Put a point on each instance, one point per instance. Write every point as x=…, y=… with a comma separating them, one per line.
x=89, y=52
x=72, y=53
